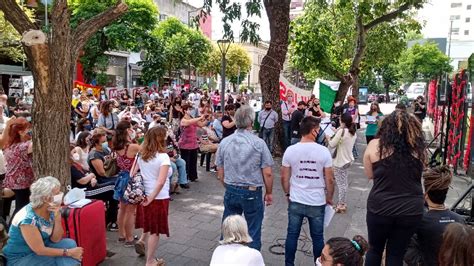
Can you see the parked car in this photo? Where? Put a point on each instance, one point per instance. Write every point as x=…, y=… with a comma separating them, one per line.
x=416, y=89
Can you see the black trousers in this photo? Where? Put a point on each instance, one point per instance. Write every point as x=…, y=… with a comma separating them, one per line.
x=190, y=157
x=22, y=198
x=112, y=205
x=392, y=233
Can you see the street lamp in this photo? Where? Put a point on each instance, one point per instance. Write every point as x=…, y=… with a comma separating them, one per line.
x=223, y=47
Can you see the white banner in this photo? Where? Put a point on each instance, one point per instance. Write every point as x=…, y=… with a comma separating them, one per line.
x=287, y=88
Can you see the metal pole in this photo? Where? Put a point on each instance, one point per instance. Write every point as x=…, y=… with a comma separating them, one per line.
x=223, y=83
x=46, y=14
x=238, y=80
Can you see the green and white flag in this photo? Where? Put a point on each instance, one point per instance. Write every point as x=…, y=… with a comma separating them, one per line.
x=326, y=91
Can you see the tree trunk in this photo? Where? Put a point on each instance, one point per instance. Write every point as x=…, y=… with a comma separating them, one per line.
x=278, y=12
x=346, y=83
x=387, y=92
x=52, y=60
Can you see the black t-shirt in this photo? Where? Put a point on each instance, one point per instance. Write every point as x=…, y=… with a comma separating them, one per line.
x=93, y=155
x=227, y=131
x=397, y=189
x=315, y=112
x=430, y=232
x=420, y=112
x=76, y=175
x=296, y=118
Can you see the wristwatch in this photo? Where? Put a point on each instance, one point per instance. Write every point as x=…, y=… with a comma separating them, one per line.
x=287, y=194
x=65, y=251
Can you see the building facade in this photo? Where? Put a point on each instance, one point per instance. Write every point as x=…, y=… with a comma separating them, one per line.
x=256, y=54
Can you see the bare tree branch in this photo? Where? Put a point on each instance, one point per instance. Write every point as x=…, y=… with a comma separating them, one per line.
x=17, y=17
x=87, y=28
x=388, y=17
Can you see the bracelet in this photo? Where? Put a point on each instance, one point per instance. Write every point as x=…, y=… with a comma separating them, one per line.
x=287, y=194
x=65, y=251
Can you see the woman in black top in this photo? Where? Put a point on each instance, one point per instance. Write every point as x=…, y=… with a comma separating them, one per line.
x=395, y=162
x=228, y=123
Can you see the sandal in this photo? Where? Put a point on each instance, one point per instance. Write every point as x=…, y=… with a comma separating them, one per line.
x=157, y=262
x=121, y=239
x=140, y=248
x=341, y=208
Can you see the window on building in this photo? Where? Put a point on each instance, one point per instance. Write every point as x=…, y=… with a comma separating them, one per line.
x=455, y=17
x=466, y=32
x=455, y=31
x=454, y=5
x=468, y=20
x=163, y=17
x=469, y=7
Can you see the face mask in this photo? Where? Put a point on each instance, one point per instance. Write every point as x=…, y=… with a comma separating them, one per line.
x=29, y=133
x=337, y=104
x=318, y=262
x=57, y=199
x=88, y=127
x=133, y=135
x=105, y=145
x=76, y=157
x=268, y=108
x=290, y=99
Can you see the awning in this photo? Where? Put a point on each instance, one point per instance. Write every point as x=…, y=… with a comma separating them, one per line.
x=13, y=70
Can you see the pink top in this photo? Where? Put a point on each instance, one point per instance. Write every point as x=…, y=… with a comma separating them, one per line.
x=19, y=166
x=123, y=162
x=188, y=139
x=216, y=99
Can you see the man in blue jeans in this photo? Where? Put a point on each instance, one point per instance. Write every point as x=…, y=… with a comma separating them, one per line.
x=308, y=181
x=267, y=119
x=244, y=166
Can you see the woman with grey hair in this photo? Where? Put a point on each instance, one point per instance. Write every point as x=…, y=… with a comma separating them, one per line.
x=36, y=232
x=233, y=249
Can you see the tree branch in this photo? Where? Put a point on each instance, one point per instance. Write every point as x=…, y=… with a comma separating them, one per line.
x=17, y=17
x=388, y=17
x=87, y=28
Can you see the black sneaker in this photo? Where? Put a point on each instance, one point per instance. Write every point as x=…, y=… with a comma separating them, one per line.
x=185, y=186
x=112, y=227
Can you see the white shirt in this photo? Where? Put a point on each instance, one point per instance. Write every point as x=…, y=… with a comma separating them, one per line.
x=307, y=161
x=166, y=93
x=344, y=147
x=236, y=254
x=151, y=170
x=195, y=98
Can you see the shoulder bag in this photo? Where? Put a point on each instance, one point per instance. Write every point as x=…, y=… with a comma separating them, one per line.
x=135, y=191
x=260, y=133
x=110, y=165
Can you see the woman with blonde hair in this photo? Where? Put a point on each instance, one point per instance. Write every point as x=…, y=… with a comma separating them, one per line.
x=154, y=164
x=233, y=248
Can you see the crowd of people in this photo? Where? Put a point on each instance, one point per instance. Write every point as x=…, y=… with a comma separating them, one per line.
x=160, y=133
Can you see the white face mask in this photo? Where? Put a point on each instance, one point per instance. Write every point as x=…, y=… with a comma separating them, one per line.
x=57, y=199
x=337, y=104
x=318, y=262
x=76, y=157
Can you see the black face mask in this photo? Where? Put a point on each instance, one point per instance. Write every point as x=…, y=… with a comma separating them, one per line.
x=268, y=109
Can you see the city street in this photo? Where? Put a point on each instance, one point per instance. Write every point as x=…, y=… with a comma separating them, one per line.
x=195, y=217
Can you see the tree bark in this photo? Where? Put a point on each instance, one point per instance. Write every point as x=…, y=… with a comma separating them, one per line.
x=278, y=12
x=52, y=64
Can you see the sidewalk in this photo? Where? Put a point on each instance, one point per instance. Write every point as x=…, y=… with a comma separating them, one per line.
x=195, y=218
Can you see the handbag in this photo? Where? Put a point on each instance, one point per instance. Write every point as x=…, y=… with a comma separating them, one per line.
x=110, y=165
x=135, y=191
x=260, y=133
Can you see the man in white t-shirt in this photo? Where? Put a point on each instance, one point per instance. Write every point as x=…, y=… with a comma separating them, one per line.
x=308, y=181
x=195, y=99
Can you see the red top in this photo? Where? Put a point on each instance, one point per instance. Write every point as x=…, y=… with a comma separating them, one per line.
x=19, y=166
x=123, y=162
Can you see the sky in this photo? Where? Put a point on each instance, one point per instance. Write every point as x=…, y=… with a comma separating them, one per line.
x=433, y=17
